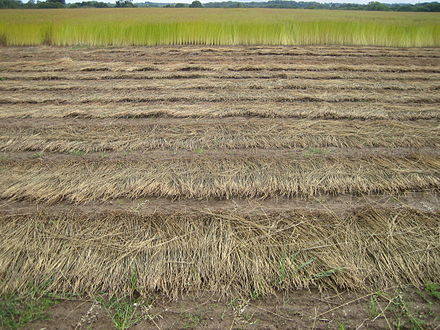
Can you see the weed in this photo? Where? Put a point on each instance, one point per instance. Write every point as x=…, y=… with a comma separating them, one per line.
x=199, y=151
x=134, y=280
x=373, y=307
x=192, y=320
x=37, y=155
x=433, y=289
x=283, y=269
x=248, y=318
x=127, y=312
x=255, y=295
x=403, y=310
x=77, y=152
x=396, y=310
x=314, y=151
x=17, y=310
x=326, y=273
x=238, y=306
x=342, y=326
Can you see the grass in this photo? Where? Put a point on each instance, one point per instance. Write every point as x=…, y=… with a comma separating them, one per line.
x=111, y=27
x=193, y=320
x=239, y=307
x=373, y=306
x=433, y=290
x=124, y=312
x=395, y=309
x=17, y=310
x=78, y=153
x=38, y=155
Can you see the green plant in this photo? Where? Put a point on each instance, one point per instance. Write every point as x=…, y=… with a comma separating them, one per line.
x=433, y=289
x=396, y=311
x=37, y=155
x=403, y=313
x=134, y=279
x=314, y=151
x=326, y=273
x=283, y=269
x=255, y=295
x=77, y=152
x=124, y=312
x=192, y=320
x=17, y=310
x=373, y=307
x=238, y=306
x=199, y=151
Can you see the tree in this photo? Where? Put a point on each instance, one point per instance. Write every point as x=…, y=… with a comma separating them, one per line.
x=50, y=4
x=376, y=6
x=196, y=4
x=10, y=4
x=124, y=4
x=63, y=2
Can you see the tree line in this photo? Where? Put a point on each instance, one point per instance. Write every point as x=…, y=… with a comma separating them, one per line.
x=371, y=6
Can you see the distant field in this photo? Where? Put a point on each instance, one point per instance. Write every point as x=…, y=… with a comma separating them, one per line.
x=183, y=26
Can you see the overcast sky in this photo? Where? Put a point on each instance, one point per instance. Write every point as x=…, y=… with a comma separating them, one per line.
x=205, y=1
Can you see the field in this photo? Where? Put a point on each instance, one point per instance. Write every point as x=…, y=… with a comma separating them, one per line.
x=183, y=26
x=231, y=171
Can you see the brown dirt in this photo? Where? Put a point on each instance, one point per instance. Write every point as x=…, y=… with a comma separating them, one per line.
x=341, y=205
x=302, y=309
x=74, y=315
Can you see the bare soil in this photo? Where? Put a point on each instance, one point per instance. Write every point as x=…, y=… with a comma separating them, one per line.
x=302, y=309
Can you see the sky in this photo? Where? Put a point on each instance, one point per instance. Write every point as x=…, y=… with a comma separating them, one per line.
x=321, y=1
